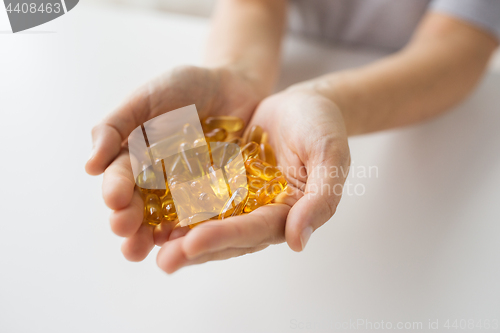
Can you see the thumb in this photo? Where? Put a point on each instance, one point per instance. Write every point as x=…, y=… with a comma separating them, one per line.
x=322, y=194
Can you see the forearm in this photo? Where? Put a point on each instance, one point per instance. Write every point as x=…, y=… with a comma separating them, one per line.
x=438, y=68
x=246, y=35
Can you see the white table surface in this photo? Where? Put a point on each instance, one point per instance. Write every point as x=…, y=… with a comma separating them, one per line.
x=421, y=244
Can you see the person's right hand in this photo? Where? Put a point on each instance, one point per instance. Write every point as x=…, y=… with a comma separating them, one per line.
x=215, y=91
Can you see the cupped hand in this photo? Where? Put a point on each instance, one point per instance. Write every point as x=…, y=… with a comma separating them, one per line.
x=308, y=134
x=215, y=91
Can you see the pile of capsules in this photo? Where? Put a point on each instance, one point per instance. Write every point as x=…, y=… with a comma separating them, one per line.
x=263, y=180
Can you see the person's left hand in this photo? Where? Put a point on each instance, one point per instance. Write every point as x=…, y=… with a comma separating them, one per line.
x=308, y=134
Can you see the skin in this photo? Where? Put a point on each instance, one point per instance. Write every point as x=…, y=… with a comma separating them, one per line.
x=308, y=124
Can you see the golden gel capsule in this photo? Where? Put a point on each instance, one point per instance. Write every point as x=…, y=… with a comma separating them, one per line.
x=239, y=180
x=182, y=194
x=173, y=165
x=146, y=181
x=270, y=190
x=216, y=135
x=250, y=150
x=237, y=141
x=218, y=183
x=252, y=204
x=209, y=202
x=190, y=133
x=199, y=142
x=261, y=169
x=267, y=154
x=265, y=137
x=234, y=205
x=229, y=123
x=255, y=134
x=152, y=209
x=255, y=183
x=191, y=162
x=223, y=154
x=177, y=179
x=168, y=208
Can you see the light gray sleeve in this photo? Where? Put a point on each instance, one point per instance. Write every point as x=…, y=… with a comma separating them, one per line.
x=482, y=13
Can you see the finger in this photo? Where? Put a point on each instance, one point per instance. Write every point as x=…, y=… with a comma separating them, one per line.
x=265, y=225
x=163, y=231
x=138, y=246
x=178, y=232
x=125, y=222
x=322, y=195
x=225, y=254
x=171, y=256
x=110, y=133
x=289, y=196
x=118, y=183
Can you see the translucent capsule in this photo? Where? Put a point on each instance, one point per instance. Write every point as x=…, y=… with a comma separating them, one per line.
x=266, y=154
x=148, y=182
x=237, y=181
x=255, y=134
x=209, y=202
x=252, y=204
x=168, y=208
x=255, y=183
x=191, y=134
x=223, y=153
x=197, y=219
x=234, y=205
x=270, y=190
x=261, y=169
x=173, y=165
x=265, y=137
x=191, y=160
x=152, y=209
x=229, y=123
x=199, y=142
x=177, y=179
x=250, y=150
x=237, y=141
x=216, y=135
x=198, y=186
x=165, y=147
x=218, y=183
x=181, y=193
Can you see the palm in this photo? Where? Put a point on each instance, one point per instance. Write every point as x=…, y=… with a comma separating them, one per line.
x=307, y=132
x=214, y=91
x=300, y=126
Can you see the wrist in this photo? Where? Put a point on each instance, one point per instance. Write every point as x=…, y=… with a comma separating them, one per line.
x=337, y=88
x=261, y=85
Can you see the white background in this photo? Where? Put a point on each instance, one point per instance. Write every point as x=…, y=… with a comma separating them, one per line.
x=421, y=244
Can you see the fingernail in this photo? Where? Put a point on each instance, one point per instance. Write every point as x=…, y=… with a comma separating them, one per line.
x=306, y=234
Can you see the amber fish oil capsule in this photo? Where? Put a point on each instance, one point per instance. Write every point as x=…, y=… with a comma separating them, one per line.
x=229, y=123
x=152, y=209
x=252, y=204
x=270, y=190
x=255, y=183
x=168, y=209
x=266, y=154
x=218, y=134
x=258, y=168
x=234, y=206
x=250, y=150
x=255, y=134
